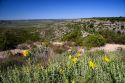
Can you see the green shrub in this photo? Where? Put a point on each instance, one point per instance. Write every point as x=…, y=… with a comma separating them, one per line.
x=74, y=36
x=112, y=36
x=65, y=71
x=94, y=40
x=11, y=37
x=120, y=39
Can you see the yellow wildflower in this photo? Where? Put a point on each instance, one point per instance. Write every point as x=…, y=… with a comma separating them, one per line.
x=25, y=52
x=70, y=56
x=78, y=54
x=92, y=65
x=74, y=60
x=106, y=59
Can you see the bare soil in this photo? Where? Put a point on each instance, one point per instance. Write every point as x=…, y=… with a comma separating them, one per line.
x=110, y=47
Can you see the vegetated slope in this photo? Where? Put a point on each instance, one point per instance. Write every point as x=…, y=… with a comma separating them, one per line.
x=41, y=64
x=90, y=67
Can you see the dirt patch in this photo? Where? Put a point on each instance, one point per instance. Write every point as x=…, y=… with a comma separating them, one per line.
x=109, y=47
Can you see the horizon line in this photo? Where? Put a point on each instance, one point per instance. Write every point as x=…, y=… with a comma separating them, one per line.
x=60, y=18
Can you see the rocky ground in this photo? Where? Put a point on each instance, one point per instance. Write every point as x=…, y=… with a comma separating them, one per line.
x=110, y=47
x=106, y=48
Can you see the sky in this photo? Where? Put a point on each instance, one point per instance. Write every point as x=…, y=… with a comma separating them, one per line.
x=60, y=9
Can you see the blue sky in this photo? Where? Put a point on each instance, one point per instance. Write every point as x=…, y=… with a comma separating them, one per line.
x=60, y=9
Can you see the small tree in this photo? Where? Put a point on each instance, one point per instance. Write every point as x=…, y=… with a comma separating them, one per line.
x=94, y=40
x=74, y=36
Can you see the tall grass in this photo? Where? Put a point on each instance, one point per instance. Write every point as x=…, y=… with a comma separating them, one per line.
x=63, y=70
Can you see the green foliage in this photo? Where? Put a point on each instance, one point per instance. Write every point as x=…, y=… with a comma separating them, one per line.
x=94, y=40
x=65, y=72
x=10, y=64
x=112, y=37
x=11, y=37
x=74, y=36
x=112, y=19
x=91, y=25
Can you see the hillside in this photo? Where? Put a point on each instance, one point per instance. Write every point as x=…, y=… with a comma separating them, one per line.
x=89, y=50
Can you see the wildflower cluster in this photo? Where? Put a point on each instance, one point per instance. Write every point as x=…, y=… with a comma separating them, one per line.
x=73, y=68
x=74, y=58
x=92, y=65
